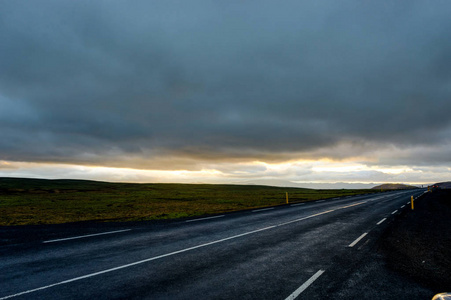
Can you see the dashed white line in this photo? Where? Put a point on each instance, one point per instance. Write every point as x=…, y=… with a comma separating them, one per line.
x=394, y=212
x=263, y=209
x=85, y=236
x=304, y=286
x=207, y=218
x=381, y=221
x=321, y=200
x=408, y=202
x=297, y=204
x=403, y=206
x=358, y=240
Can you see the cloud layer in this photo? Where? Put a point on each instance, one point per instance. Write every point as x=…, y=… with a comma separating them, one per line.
x=185, y=84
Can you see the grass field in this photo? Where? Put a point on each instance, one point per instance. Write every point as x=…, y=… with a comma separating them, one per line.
x=39, y=201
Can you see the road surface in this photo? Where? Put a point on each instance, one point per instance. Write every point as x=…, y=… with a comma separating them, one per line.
x=288, y=252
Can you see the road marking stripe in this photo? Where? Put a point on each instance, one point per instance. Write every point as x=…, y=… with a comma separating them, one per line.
x=358, y=239
x=306, y=284
x=305, y=218
x=263, y=209
x=403, y=206
x=381, y=221
x=170, y=254
x=207, y=218
x=408, y=202
x=135, y=263
x=85, y=236
x=321, y=200
x=394, y=212
x=297, y=204
x=352, y=205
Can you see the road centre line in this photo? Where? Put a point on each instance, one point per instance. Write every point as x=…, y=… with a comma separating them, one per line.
x=352, y=205
x=207, y=218
x=381, y=221
x=85, y=236
x=358, y=240
x=394, y=212
x=263, y=209
x=174, y=253
x=304, y=286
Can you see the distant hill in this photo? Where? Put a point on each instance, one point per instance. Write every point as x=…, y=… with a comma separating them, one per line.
x=444, y=185
x=394, y=186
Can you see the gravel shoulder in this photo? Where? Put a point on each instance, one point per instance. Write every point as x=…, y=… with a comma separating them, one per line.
x=411, y=260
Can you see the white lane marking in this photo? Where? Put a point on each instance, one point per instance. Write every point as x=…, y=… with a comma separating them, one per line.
x=297, y=204
x=408, y=202
x=85, y=236
x=358, y=240
x=169, y=254
x=394, y=212
x=135, y=263
x=352, y=205
x=306, y=284
x=207, y=218
x=305, y=218
x=263, y=209
x=381, y=221
x=403, y=206
x=321, y=200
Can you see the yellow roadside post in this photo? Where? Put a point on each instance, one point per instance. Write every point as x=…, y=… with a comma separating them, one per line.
x=287, y=197
x=411, y=201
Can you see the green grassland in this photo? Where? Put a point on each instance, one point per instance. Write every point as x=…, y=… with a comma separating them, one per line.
x=39, y=201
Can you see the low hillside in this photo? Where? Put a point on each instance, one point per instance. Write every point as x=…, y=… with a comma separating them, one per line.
x=444, y=185
x=394, y=186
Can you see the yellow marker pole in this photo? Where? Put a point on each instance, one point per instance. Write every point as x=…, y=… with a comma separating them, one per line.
x=411, y=201
x=287, y=197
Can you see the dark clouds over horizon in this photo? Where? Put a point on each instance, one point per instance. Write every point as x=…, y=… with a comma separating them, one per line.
x=166, y=84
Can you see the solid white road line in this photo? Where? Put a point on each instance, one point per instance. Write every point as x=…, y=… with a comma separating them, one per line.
x=306, y=284
x=207, y=218
x=135, y=263
x=358, y=239
x=297, y=204
x=352, y=205
x=85, y=236
x=381, y=221
x=263, y=209
x=176, y=252
x=394, y=212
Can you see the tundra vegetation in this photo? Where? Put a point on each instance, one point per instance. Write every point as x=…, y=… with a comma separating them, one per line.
x=39, y=201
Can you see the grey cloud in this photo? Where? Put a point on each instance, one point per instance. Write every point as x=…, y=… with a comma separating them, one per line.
x=125, y=84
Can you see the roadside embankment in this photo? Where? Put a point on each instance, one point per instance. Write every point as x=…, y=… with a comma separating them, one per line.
x=418, y=244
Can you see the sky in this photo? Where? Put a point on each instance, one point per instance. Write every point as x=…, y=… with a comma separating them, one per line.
x=318, y=93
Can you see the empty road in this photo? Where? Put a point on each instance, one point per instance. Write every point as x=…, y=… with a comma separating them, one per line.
x=287, y=252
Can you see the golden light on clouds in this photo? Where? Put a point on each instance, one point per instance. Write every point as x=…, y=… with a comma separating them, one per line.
x=293, y=173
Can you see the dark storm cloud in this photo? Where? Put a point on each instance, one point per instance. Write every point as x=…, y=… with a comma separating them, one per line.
x=136, y=83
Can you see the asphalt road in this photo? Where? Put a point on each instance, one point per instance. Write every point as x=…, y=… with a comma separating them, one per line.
x=296, y=251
